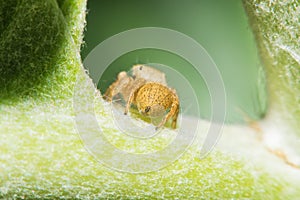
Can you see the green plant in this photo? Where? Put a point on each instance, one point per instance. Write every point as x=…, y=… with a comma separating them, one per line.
x=41, y=154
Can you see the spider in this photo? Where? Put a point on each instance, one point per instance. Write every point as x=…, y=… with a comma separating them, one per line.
x=154, y=99
x=146, y=87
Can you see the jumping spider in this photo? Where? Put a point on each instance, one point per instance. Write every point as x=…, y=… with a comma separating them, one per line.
x=152, y=99
x=147, y=89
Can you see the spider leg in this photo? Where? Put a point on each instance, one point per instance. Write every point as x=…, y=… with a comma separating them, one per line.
x=110, y=91
x=175, y=116
x=173, y=113
x=130, y=100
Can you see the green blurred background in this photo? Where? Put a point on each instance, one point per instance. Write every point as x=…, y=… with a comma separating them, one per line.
x=221, y=27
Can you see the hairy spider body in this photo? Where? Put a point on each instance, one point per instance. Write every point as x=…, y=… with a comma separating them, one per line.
x=155, y=99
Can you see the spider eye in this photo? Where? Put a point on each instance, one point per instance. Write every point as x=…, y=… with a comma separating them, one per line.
x=147, y=109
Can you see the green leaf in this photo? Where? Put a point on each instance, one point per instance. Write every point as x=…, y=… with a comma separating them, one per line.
x=41, y=154
x=277, y=30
